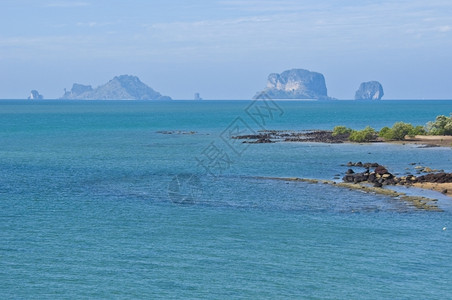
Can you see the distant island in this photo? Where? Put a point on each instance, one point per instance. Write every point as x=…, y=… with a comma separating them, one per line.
x=296, y=84
x=124, y=87
x=371, y=90
x=35, y=95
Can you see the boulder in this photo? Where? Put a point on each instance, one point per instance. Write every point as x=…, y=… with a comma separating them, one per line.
x=381, y=170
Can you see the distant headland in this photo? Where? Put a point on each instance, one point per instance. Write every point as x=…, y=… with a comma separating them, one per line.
x=124, y=87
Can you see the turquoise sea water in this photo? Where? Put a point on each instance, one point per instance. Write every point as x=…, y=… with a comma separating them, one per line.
x=97, y=202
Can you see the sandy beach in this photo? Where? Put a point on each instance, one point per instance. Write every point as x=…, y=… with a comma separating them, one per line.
x=439, y=187
x=431, y=140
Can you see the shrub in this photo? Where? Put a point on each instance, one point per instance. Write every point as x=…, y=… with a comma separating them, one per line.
x=400, y=130
x=366, y=135
x=441, y=126
x=341, y=130
x=418, y=130
x=386, y=133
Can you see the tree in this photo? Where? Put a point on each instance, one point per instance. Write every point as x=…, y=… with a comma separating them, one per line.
x=400, y=130
x=441, y=126
x=386, y=133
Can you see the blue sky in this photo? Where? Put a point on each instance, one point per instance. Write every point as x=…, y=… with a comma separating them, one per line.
x=225, y=49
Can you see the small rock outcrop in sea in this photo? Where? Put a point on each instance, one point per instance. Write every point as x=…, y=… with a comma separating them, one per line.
x=34, y=95
x=124, y=87
x=371, y=90
x=296, y=84
x=381, y=176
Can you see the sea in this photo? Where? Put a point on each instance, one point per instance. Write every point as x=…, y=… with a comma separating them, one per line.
x=157, y=200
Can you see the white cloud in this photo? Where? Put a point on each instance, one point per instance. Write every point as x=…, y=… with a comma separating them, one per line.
x=446, y=28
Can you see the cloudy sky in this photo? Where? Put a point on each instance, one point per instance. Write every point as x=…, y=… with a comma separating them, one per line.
x=225, y=49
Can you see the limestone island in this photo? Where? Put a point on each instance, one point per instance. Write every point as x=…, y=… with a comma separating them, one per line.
x=371, y=90
x=297, y=84
x=124, y=87
x=35, y=95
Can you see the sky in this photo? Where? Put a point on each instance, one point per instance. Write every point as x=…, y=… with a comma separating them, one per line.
x=225, y=49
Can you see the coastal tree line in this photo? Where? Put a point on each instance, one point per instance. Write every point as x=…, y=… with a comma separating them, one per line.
x=398, y=132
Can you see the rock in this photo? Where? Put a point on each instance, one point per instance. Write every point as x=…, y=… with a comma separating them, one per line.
x=350, y=171
x=260, y=141
x=381, y=170
x=444, y=191
x=34, y=95
x=435, y=178
x=355, y=177
x=348, y=178
x=124, y=87
x=295, y=84
x=371, y=90
x=377, y=184
x=366, y=165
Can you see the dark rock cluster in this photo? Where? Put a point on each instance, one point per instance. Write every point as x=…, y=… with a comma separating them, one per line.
x=272, y=136
x=435, y=177
x=381, y=176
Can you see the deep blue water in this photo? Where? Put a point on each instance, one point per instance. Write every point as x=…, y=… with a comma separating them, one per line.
x=96, y=202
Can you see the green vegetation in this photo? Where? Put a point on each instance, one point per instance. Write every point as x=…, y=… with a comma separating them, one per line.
x=386, y=133
x=399, y=130
x=341, y=130
x=441, y=126
x=418, y=130
x=366, y=135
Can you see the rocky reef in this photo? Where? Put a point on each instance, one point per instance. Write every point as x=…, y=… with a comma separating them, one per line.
x=34, y=95
x=296, y=84
x=124, y=87
x=371, y=90
x=381, y=176
x=309, y=136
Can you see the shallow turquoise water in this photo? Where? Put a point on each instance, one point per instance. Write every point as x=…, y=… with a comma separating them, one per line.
x=90, y=206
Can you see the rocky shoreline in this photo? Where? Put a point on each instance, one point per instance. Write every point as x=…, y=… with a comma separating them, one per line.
x=380, y=177
x=326, y=136
x=375, y=181
x=274, y=136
